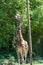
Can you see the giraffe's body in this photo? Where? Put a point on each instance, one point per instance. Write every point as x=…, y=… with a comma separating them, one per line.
x=22, y=48
x=22, y=45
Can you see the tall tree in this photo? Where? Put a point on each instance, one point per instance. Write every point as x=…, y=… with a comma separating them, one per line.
x=29, y=31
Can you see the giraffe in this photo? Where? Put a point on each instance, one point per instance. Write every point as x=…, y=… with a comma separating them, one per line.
x=22, y=45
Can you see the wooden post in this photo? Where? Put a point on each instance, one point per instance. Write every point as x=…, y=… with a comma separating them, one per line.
x=29, y=31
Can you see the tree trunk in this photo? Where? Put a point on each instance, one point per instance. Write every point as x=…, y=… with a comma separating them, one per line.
x=29, y=31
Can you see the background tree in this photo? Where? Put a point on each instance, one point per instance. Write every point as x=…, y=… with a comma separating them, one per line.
x=29, y=31
x=8, y=9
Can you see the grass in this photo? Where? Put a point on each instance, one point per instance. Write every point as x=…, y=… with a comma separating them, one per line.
x=7, y=57
x=12, y=60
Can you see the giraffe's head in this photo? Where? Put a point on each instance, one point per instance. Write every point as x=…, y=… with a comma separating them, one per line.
x=17, y=16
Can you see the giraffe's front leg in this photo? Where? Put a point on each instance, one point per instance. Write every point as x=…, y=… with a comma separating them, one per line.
x=23, y=61
x=18, y=59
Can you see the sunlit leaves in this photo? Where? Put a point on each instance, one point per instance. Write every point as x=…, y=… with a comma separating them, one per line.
x=8, y=9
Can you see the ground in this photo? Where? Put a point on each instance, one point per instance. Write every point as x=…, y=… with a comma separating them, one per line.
x=9, y=59
x=9, y=62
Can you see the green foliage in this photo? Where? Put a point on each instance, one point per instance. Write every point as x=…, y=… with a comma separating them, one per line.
x=8, y=9
x=37, y=23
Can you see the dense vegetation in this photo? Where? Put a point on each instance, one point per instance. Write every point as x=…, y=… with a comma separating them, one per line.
x=8, y=9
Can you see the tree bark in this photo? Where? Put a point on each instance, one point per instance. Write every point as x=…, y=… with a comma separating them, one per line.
x=29, y=31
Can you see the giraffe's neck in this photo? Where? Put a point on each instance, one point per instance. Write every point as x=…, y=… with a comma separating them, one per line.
x=19, y=32
x=20, y=35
